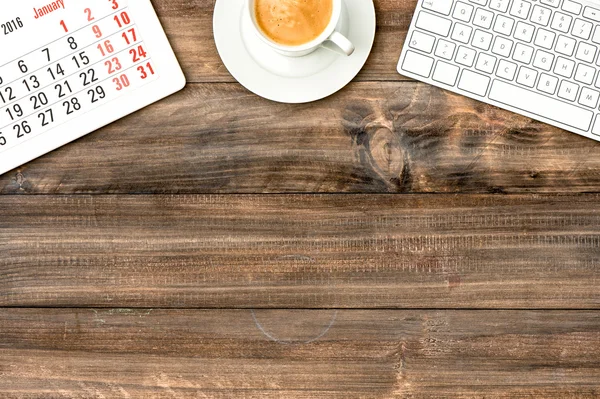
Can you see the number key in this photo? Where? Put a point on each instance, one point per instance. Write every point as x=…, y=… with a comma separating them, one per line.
x=499, y=5
x=520, y=9
x=540, y=15
x=582, y=29
x=561, y=22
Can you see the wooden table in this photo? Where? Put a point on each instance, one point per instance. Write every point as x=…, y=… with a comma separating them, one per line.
x=391, y=241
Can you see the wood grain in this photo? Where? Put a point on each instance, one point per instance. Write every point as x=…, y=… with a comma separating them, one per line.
x=188, y=24
x=125, y=353
x=289, y=251
x=409, y=287
x=371, y=137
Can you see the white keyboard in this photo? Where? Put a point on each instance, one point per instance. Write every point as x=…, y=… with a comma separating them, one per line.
x=537, y=58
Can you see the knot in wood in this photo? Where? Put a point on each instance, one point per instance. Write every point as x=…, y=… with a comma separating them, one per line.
x=386, y=152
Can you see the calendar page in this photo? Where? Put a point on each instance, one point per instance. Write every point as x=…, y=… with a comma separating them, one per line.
x=69, y=67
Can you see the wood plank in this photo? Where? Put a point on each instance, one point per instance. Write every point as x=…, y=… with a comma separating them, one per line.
x=188, y=25
x=124, y=353
x=289, y=251
x=371, y=137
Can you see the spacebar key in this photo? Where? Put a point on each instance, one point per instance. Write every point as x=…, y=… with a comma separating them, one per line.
x=541, y=105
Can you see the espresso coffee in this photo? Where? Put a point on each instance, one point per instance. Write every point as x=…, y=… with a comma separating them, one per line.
x=293, y=22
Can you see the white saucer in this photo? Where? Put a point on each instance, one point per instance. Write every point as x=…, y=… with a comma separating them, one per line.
x=287, y=79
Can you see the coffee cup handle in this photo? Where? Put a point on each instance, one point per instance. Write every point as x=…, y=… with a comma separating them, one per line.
x=342, y=42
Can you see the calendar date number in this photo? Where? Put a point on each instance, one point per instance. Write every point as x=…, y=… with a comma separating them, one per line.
x=11, y=26
x=73, y=74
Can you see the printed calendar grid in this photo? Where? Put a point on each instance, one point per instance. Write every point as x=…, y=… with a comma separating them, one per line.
x=137, y=43
x=106, y=96
x=94, y=22
x=65, y=99
x=84, y=88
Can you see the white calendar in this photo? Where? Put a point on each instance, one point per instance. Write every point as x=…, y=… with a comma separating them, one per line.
x=69, y=67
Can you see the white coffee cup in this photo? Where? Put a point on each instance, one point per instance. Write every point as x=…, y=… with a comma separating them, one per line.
x=328, y=35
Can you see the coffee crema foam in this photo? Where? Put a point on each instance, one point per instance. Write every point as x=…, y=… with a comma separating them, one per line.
x=293, y=22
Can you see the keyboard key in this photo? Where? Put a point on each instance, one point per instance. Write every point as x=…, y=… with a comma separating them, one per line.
x=589, y=97
x=417, y=64
x=582, y=29
x=473, y=82
x=597, y=82
x=596, y=36
x=561, y=22
x=463, y=11
x=568, y=90
x=551, y=3
x=543, y=60
x=480, y=2
x=523, y=53
x=485, y=63
x=527, y=76
x=502, y=46
x=461, y=33
x=584, y=74
x=483, y=18
x=541, y=105
x=433, y=23
x=445, y=49
x=445, y=73
x=565, y=45
x=564, y=67
x=586, y=52
x=520, y=9
x=422, y=41
x=465, y=56
x=506, y=70
x=503, y=25
x=499, y=5
x=571, y=7
x=541, y=15
x=596, y=128
x=547, y=83
x=482, y=40
x=524, y=32
x=544, y=38
x=440, y=6
x=591, y=13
